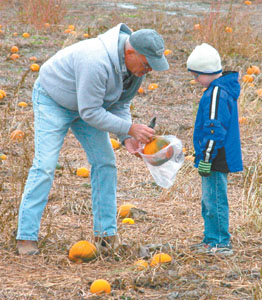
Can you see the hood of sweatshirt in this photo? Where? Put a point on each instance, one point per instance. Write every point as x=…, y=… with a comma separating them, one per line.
x=229, y=82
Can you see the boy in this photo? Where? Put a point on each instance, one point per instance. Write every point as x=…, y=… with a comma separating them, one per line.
x=217, y=145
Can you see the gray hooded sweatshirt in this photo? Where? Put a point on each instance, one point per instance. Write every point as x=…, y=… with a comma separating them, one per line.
x=87, y=77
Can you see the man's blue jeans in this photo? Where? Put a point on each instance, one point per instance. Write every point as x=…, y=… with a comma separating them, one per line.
x=52, y=122
x=215, y=211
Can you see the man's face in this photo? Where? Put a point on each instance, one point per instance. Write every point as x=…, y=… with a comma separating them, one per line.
x=137, y=64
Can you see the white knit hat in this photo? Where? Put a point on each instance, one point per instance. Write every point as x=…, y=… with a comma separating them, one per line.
x=204, y=60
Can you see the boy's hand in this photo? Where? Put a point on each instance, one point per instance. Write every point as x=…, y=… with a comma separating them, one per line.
x=204, y=168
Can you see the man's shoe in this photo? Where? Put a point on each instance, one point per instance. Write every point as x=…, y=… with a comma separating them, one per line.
x=108, y=244
x=25, y=247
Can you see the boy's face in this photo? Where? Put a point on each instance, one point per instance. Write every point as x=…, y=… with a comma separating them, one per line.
x=203, y=79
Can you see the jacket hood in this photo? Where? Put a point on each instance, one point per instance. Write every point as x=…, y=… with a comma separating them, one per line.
x=110, y=42
x=229, y=82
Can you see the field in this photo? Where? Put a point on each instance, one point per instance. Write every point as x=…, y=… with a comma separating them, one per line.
x=169, y=219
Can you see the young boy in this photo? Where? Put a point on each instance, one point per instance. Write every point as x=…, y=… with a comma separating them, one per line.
x=217, y=145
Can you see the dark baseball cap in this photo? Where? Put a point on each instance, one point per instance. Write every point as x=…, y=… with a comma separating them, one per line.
x=150, y=44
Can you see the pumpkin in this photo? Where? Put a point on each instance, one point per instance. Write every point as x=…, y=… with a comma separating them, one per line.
x=155, y=145
x=26, y=35
x=115, y=143
x=167, y=52
x=17, y=135
x=128, y=221
x=14, y=56
x=259, y=92
x=2, y=94
x=153, y=86
x=125, y=210
x=82, y=172
x=247, y=78
x=2, y=156
x=14, y=49
x=228, y=29
x=247, y=2
x=72, y=27
x=47, y=25
x=160, y=258
x=253, y=70
x=141, y=264
x=140, y=90
x=33, y=58
x=82, y=251
x=193, y=81
x=242, y=120
x=197, y=26
x=22, y=104
x=86, y=35
x=100, y=286
x=68, y=30
x=34, y=67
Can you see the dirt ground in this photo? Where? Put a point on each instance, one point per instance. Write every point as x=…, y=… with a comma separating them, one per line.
x=172, y=217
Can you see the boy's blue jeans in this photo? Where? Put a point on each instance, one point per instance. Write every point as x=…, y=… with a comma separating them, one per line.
x=52, y=122
x=215, y=211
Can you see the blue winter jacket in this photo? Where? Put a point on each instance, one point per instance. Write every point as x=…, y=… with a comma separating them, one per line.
x=216, y=134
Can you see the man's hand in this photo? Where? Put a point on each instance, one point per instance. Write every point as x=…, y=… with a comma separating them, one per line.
x=204, y=168
x=141, y=132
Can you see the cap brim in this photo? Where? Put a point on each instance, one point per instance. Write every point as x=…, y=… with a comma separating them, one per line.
x=158, y=64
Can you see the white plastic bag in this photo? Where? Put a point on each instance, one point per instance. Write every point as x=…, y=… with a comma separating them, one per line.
x=165, y=164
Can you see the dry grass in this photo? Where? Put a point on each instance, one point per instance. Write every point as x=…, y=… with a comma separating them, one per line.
x=172, y=216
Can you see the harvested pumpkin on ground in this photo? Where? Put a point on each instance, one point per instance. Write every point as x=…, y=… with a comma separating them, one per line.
x=100, y=286
x=247, y=78
x=124, y=210
x=128, y=221
x=17, y=135
x=35, y=67
x=160, y=258
x=82, y=251
x=82, y=172
x=253, y=70
x=115, y=143
x=141, y=264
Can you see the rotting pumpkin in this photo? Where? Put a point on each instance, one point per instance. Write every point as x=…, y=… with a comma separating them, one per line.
x=82, y=251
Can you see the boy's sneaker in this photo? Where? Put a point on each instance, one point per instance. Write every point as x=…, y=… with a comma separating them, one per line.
x=200, y=248
x=221, y=250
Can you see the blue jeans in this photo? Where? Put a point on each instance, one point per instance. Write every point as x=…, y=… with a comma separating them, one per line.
x=215, y=211
x=52, y=122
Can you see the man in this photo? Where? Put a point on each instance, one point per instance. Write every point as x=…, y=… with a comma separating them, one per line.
x=87, y=87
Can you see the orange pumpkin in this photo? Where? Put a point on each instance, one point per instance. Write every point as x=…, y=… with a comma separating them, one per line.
x=82, y=172
x=115, y=144
x=167, y=52
x=17, y=135
x=82, y=251
x=35, y=67
x=141, y=264
x=125, y=210
x=155, y=145
x=100, y=286
x=26, y=35
x=14, y=49
x=259, y=92
x=247, y=78
x=160, y=258
x=253, y=70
